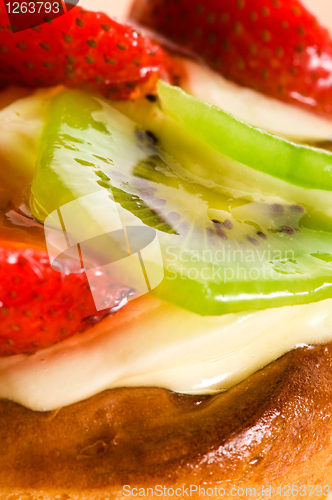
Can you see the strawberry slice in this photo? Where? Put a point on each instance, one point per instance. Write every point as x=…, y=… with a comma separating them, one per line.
x=82, y=49
x=39, y=306
x=274, y=46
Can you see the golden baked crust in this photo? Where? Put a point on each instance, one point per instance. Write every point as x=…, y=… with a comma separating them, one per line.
x=272, y=429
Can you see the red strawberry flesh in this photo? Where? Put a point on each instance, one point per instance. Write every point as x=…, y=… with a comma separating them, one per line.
x=39, y=306
x=82, y=49
x=273, y=46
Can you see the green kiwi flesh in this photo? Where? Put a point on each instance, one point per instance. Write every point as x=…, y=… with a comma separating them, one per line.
x=232, y=238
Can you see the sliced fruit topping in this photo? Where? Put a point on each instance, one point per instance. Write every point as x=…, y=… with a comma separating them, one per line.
x=233, y=238
x=82, y=49
x=275, y=46
x=39, y=306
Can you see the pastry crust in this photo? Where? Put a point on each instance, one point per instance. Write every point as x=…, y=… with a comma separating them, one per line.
x=272, y=429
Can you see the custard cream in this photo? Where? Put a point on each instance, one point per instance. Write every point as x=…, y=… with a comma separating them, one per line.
x=153, y=344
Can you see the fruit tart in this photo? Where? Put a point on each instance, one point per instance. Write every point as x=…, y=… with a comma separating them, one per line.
x=165, y=262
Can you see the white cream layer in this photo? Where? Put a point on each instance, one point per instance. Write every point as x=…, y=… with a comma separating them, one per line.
x=151, y=343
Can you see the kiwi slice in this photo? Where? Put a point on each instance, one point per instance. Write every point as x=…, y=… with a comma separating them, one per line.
x=231, y=239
